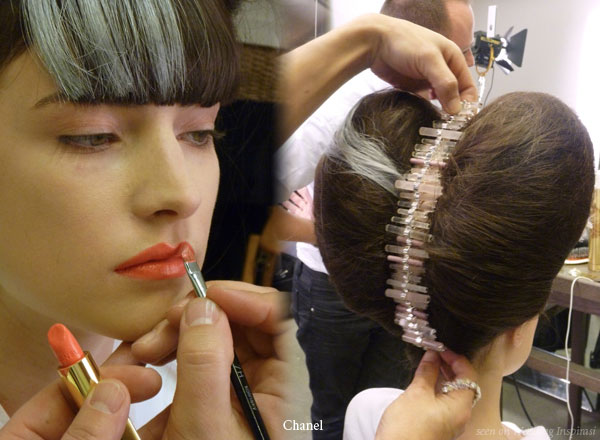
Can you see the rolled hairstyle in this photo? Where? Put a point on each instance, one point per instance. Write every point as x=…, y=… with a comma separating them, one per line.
x=127, y=51
x=516, y=196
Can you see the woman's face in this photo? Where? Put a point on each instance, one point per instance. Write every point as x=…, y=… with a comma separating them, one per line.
x=84, y=188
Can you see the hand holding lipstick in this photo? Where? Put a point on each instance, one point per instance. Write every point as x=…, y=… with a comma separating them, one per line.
x=49, y=414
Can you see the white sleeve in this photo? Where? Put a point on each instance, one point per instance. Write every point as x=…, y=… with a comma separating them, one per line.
x=536, y=433
x=3, y=417
x=142, y=412
x=365, y=411
x=296, y=160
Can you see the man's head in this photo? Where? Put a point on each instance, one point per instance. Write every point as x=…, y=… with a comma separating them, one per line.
x=451, y=18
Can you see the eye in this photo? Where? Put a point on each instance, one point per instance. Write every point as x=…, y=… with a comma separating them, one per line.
x=97, y=141
x=201, y=138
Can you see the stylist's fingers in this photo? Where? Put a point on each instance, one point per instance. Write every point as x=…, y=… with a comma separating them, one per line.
x=243, y=303
x=46, y=416
x=49, y=416
x=158, y=346
x=103, y=414
x=411, y=57
x=459, y=365
x=142, y=383
x=460, y=400
x=427, y=372
x=461, y=368
x=248, y=305
x=201, y=407
x=122, y=356
x=448, y=73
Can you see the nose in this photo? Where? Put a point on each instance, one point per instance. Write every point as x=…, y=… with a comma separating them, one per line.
x=163, y=179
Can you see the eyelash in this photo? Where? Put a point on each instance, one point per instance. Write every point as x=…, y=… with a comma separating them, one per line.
x=87, y=142
x=206, y=137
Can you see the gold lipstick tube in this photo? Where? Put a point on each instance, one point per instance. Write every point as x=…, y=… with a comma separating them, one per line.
x=80, y=378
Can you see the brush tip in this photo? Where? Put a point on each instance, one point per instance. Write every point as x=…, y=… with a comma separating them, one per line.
x=187, y=253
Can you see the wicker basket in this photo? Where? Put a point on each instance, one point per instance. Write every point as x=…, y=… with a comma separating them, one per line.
x=258, y=73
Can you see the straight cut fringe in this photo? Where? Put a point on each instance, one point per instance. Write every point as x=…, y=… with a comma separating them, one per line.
x=134, y=52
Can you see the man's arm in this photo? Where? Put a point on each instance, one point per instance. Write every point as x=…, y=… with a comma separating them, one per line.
x=402, y=53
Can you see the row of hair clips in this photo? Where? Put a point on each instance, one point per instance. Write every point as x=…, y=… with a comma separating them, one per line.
x=418, y=193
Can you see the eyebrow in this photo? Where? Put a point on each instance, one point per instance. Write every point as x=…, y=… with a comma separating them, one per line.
x=62, y=98
x=54, y=98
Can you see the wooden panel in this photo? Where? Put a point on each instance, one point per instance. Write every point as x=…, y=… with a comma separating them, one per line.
x=556, y=366
x=586, y=294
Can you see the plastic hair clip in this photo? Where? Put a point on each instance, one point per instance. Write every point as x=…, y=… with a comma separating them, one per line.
x=418, y=192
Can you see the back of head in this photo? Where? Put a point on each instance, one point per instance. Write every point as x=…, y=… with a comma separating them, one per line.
x=431, y=14
x=516, y=196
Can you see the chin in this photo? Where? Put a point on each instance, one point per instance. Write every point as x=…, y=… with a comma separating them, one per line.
x=128, y=329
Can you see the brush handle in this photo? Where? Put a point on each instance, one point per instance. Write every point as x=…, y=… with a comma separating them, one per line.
x=238, y=378
x=244, y=395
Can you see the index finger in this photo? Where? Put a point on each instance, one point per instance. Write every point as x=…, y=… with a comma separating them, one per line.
x=249, y=305
x=459, y=365
x=462, y=369
x=449, y=75
x=47, y=415
x=427, y=372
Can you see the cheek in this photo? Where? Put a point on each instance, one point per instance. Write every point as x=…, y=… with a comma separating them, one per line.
x=208, y=185
x=50, y=221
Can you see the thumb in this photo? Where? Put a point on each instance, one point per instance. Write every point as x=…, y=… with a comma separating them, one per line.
x=103, y=415
x=202, y=406
x=427, y=372
x=48, y=415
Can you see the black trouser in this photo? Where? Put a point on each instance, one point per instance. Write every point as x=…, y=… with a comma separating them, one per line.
x=345, y=353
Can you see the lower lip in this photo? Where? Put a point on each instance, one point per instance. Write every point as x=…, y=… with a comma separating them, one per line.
x=156, y=270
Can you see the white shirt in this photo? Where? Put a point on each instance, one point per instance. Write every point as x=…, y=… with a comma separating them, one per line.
x=142, y=412
x=298, y=157
x=366, y=409
x=3, y=417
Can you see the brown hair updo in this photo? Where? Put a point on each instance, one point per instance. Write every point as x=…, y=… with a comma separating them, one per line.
x=516, y=196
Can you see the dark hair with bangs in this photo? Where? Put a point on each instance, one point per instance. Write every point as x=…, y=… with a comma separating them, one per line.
x=516, y=196
x=127, y=52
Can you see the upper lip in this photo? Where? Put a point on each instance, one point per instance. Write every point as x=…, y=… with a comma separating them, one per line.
x=158, y=252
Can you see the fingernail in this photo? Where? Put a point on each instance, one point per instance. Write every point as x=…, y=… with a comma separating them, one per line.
x=147, y=338
x=429, y=355
x=107, y=397
x=201, y=311
x=181, y=304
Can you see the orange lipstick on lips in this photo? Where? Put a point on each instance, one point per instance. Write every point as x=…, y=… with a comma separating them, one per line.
x=78, y=370
x=159, y=262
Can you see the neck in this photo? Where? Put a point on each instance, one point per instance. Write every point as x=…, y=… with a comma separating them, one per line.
x=485, y=418
x=31, y=364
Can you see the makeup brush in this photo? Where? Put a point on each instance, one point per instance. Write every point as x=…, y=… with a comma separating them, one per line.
x=238, y=378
